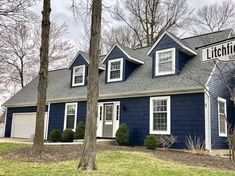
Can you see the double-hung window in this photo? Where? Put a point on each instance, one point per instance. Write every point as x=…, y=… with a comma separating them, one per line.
x=160, y=115
x=79, y=75
x=165, y=62
x=70, y=118
x=222, y=117
x=115, y=70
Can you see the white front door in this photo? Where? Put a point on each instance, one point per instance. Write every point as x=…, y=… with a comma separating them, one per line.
x=23, y=125
x=108, y=119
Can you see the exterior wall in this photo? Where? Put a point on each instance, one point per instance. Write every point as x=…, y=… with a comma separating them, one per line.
x=10, y=112
x=79, y=61
x=217, y=88
x=128, y=67
x=187, y=116
x=165, y=43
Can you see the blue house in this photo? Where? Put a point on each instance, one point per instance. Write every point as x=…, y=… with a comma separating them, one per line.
x=165, y=89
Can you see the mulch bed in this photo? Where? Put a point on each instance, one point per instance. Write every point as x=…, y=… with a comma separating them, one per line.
x=59, y=153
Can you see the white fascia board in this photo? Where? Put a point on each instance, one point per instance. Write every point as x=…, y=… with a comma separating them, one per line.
x=79, y=53
x=131, y=58
x=173, y=38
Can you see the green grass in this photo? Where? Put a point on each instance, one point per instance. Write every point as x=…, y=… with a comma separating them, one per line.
x=4, y=147
x=109, y=163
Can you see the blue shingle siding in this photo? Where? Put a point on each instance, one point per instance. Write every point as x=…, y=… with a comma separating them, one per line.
x=10, y=112
x=128, y=67
x=217, y=88
x=187, y=116
x=79, y=61
x=57, y=110
x=166, y=43
x=56, y=117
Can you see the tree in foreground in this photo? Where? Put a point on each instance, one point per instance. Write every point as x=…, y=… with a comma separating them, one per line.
x=88, y=156
x=42, y=86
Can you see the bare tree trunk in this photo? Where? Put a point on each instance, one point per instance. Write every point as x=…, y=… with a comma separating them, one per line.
x=88, y=157
x=43, y=72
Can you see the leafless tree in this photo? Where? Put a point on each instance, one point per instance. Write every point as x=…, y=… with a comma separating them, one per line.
x=149, y=18
x=19, y=56
x=42, y=76
x=215, y=17
x=122, y=35
x=88, y=156
x=14, y=11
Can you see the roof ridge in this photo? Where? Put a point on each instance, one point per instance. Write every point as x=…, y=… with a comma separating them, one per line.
x=184, y=38
x=58, y=69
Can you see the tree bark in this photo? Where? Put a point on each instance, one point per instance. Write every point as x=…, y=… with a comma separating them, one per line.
x=88, y=156
x=43, y=73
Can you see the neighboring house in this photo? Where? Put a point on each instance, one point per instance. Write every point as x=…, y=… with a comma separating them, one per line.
x=2, y=125
x=149, y=89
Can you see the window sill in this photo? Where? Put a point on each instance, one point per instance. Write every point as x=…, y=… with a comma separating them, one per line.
x=223, y=135
x=160, y=132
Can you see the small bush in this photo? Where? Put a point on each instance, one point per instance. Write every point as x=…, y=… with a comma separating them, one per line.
x=167, y=141
x=151, y=142
x=68, y=135
x=80, y=131
x=196, y=145
x=122, y=135
x=55, y=136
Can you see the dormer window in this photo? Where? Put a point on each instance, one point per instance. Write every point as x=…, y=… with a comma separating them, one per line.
x=165, y=62
x=115, y=70
x=79, y=75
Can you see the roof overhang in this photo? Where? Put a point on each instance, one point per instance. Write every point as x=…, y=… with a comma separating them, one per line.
x=131, y=58
x=80, y=53
x=185, y=48
x=133, y=94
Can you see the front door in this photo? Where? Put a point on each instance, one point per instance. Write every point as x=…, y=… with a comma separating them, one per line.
x=108, y=120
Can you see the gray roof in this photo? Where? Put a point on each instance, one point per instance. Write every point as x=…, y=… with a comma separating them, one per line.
x=193, y=75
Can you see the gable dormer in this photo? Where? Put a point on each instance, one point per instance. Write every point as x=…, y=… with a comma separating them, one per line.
x=79, y=70
x=120, y=62
x=169, y=55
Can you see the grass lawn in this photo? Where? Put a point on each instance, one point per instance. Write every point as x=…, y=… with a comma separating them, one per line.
x=109, y=163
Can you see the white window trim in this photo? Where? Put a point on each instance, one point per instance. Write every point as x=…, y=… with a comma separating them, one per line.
x=157, y=73
x=168, y=131
x=65, y=115
x=83, y=78
x=223, y=101
x=121, y=70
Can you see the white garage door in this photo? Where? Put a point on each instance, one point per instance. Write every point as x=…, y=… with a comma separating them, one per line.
x=23, y=125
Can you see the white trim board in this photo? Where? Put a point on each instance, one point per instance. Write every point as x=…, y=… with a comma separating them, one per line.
x=207, y=120
x=83, y=76
x=131, y=58
x=168, y=131
x=121, y=70
x=225, y=111
x=175, y=39
x=65, y=115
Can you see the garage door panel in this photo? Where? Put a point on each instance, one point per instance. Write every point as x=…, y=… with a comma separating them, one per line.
x=23, y=125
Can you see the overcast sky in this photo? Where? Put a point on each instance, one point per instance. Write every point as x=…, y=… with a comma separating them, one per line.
x=62, y=13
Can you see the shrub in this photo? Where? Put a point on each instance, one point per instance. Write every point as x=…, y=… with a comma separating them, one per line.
x=68, y=135
x=167, y=141
x=122, y=135
x=80, y=131
x=151, y=142
x=196, y=145
x=55, y=136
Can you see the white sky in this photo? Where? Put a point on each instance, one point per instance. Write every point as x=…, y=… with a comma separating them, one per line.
x=62, y=13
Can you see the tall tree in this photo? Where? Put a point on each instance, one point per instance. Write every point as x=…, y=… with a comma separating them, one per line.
x=20, y=47
x=43, y=73
x=215, y=17
x=149, y=18
x=14, y=10
x=88, y=156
